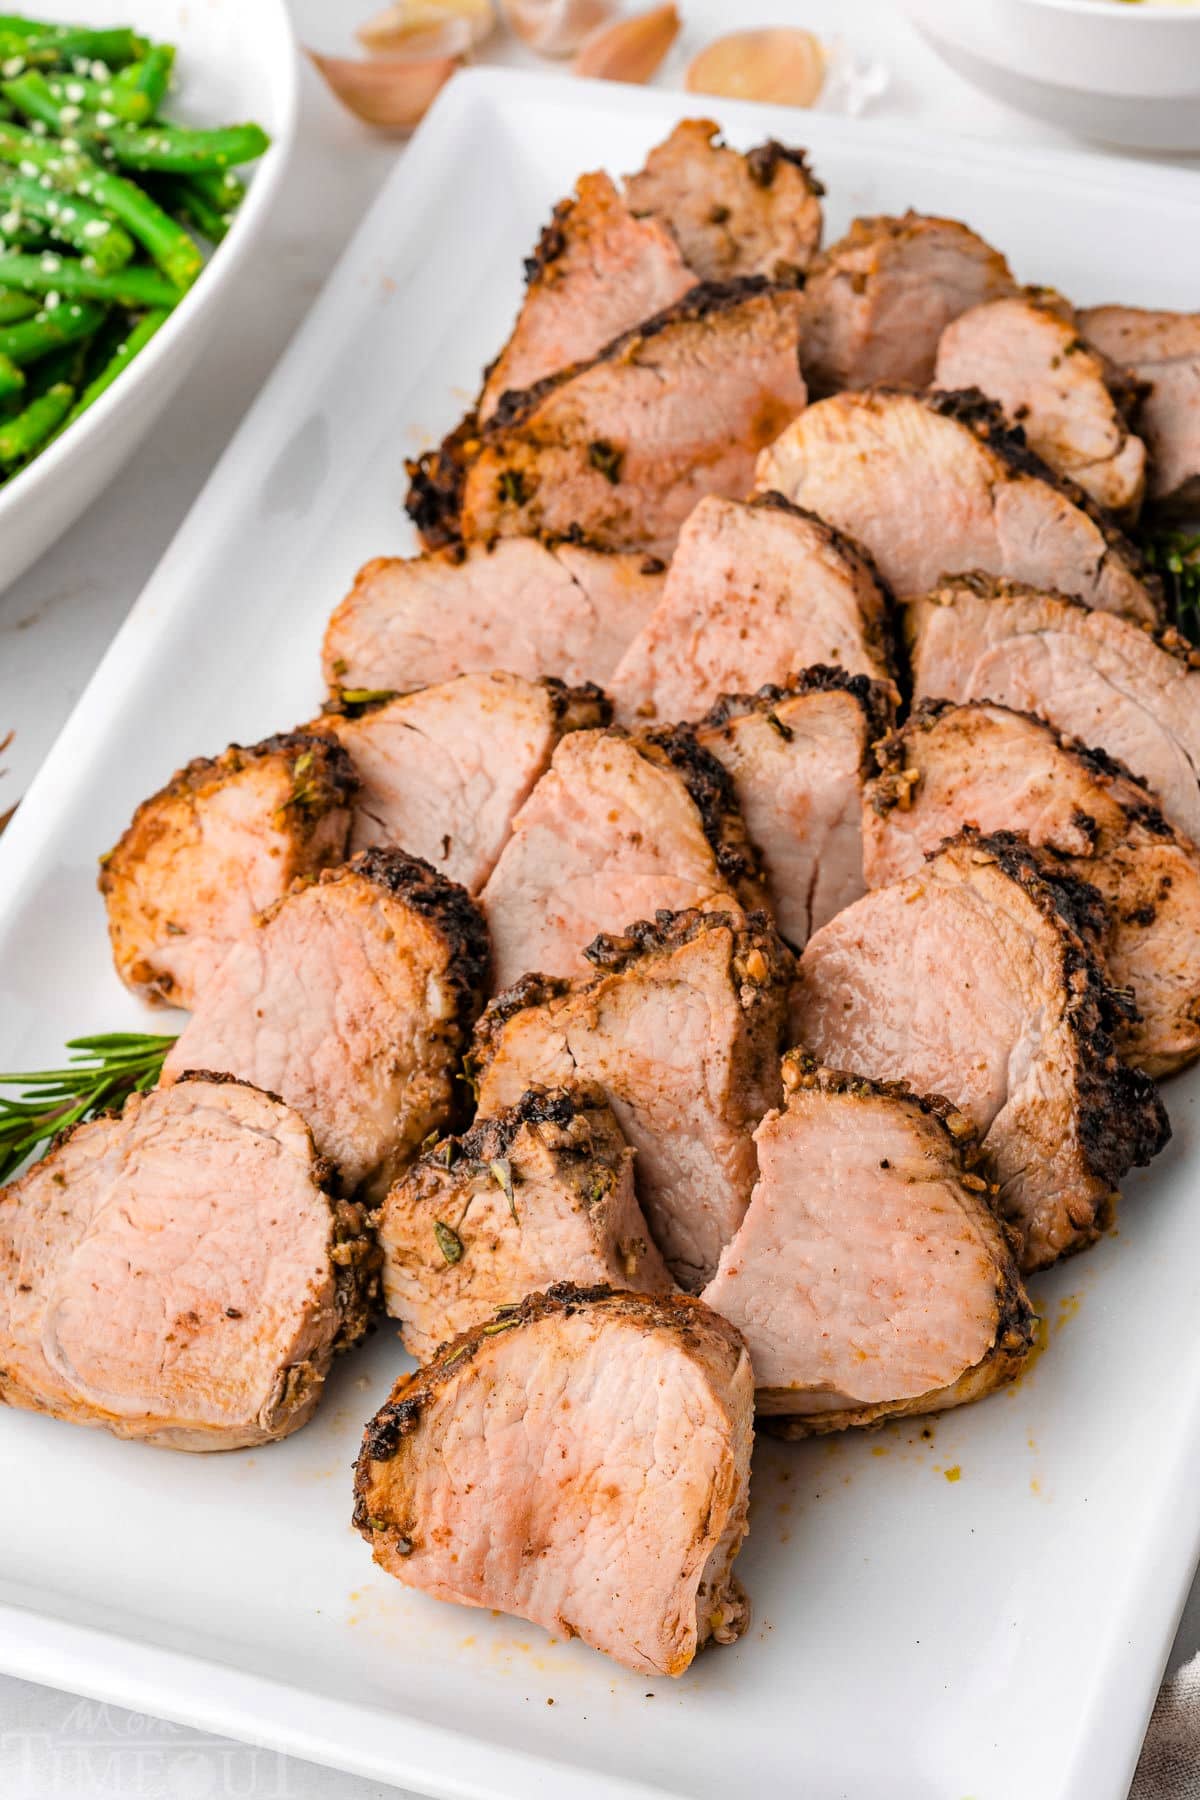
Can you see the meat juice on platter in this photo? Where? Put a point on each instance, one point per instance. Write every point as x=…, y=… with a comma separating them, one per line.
x=715, y=939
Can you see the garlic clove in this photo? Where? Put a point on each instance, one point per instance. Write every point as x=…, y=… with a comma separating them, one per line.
x=781, y=64
x=555, y=27
x=629, y=49
x=392, y=95
x=417, y=29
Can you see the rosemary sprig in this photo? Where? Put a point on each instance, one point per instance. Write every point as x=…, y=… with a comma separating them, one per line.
x=1176, y=556
x=102, y=1073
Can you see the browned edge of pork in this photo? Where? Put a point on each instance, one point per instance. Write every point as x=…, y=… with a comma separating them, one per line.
x=878, y=624
x=712, y=793
x=446, y=906
x=983, y=586
x=891, y=750
x=875, y=698
x=1016, y=1323
x=323, y=783
x=385, y=1514
x=761, y=960
x=1122, y=1121
x=436, y=478
x=972, y=408
x=355, y=1254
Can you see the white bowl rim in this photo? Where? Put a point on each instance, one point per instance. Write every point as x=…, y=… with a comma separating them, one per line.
x=224, y=259
x=1114, y=9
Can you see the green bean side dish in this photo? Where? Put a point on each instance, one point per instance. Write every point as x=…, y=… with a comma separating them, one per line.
x=105, y=211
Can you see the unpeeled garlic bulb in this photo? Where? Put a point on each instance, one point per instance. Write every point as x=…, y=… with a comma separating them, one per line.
x=777, y=63
x=417, y=29
x=392, y=95
x=629, y=49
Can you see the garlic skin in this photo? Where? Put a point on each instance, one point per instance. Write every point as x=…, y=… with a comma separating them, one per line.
x=391, y=95
x=781, y=64
x=415, y=30
x=555, y=27
x=629, y=49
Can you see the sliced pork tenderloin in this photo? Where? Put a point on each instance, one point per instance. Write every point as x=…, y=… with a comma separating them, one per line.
x=620, y=827
x=533, y=608
x=220, y=843
x=582, y=1461
x=996, y=769
x=878, y=300
x=597, y=270
x=444, y=771
x=755, y=592
x=1072, y=404
x=180, y=1272
x=353, y=999
x=623, y=447
x=870, y=1276
x=1162, y=349
x=937, y=482
x=799, y=757
x=731, y=213
x=977, y=979
x=681, y=1026
x=539, y=1193
x=1098, y=678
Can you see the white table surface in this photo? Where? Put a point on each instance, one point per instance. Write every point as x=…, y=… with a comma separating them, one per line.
x=57, y=621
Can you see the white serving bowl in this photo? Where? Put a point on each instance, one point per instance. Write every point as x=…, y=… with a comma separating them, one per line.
x=237, y=60
x=1124, y=74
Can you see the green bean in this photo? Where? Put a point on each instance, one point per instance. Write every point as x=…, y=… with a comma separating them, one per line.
x=50, y=274
x=16, y=306
x=80, y=92
x=182, y=197
x=179, y=151
x=168, y=243
x=30, y=94
x=27, y=431
x=11, y=378
x=53, y=44
x=148, y=79
x=69, y=218
x=220, y=187
x=118, y=362
x=49, y=330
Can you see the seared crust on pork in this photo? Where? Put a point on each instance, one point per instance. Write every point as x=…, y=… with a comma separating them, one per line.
x=877, y=301
x=986, y=765
x=444, y=771
x=868, y=1187
x=623, y=446
x=799, y=757
x=874, y=697
x=936, y=482
x=1162, y=351
x=1099, y=678
x=977, y=978
x=986, y=418
x=596, y=271
x=538, y=1193
x=681, y=1026
x=353, y=998
x=631, y=1545
x=756, y=591
x=220, y=842
x=1073, y=405
x=180, y=1272
x=619, y=826
x=731, y=213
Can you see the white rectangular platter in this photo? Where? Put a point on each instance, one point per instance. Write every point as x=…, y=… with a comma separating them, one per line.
x=977, y=1609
